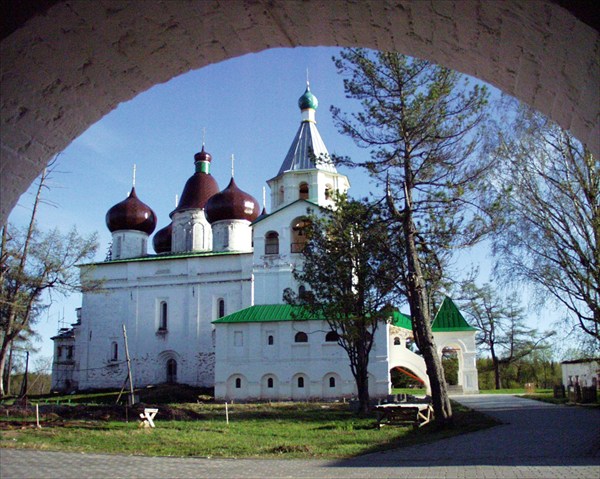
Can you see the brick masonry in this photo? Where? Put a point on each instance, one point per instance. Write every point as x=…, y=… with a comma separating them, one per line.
x=64, y=70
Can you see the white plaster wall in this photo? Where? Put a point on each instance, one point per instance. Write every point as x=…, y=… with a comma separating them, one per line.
x=317, y=360
x=191, y=231
x=129, y=244
x=131, y=296
x=232, y=235
x=586, y=372
x=464, y=341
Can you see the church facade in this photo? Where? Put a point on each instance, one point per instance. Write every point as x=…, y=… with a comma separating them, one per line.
x=207, y=309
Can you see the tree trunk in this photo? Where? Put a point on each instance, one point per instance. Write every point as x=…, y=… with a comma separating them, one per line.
x=362, y=383
x=496, y=365
x=421, y=322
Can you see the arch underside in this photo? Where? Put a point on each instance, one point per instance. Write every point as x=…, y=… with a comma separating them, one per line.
x=535, y=51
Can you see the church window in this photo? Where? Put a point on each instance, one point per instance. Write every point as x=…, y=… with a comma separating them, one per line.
x=171, y=371
x=301, y=337
x=162, y=324
x=331, y=337
x=270, y=382
x=281, y=195
x=238, y=383
x=272, y=243
x=299, y=238
x=300, y=382
x=221, y=307
x=302, y=291
x=303, y=190
x=118, y=247
x=238, y=338
x=328, y=190
x=59, y=352
x=270, y=340
x=331, y=382
x=114, y=351
x=396, y=341
x=69, y=352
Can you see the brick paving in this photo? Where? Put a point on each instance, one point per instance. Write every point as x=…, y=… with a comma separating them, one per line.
x=537, y=440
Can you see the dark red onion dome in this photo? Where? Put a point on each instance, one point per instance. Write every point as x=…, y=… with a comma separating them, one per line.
x=200, y=186
x=231, y=204
x=131, y=214
x=162, y=240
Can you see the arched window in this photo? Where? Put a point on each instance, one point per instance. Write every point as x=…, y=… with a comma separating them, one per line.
x=270, y=340
x=302, y=291
x=301, y=337
x=221, y=307
x=328, y=190
x=397, y=341
x=331, y=337
x=272, y=243
x=270, y=382
x=171, y=371
x=162, y=324
x=299, y=238
x=238, y=383
x=331, y=382
x=303, y=191
x=300, y=382
x=281, y=195
x=114, y=351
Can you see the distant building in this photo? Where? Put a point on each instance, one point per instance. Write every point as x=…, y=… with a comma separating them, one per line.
x=207, y=309
x=584, y=372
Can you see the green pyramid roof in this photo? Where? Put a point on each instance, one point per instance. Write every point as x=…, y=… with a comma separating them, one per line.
x=448, y=318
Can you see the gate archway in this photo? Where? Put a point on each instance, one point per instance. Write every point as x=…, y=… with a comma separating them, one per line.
x=536, y=51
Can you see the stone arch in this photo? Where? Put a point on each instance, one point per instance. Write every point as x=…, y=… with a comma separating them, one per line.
x=169, y=368
x=467, y=356
x=116, y=52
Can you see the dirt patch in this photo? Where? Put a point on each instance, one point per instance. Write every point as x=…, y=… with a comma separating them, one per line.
x=57, y=414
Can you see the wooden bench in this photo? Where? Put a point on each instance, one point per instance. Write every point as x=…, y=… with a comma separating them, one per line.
x=413, y=414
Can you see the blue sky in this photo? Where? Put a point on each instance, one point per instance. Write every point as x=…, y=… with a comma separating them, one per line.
x=246, y=106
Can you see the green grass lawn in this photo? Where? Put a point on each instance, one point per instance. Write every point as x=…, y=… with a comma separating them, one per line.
x=290, y=430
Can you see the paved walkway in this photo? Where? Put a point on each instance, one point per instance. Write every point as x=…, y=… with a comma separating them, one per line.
x=537, y=440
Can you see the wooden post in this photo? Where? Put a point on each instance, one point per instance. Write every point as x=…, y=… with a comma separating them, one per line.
x=226, y=413
x=131, y=395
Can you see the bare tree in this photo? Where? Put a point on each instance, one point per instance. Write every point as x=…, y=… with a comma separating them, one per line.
x=32, y=266
x=551, y=208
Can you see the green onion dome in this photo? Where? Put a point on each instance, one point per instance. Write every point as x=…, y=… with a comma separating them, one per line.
x=308, y=100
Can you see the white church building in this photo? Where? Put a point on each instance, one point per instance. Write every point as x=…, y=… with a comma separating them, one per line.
x=207, y=309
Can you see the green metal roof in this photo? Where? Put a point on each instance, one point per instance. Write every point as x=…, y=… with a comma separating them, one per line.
x=401, y=320
x=167, y=256
x=265, y=313
x=448, y=318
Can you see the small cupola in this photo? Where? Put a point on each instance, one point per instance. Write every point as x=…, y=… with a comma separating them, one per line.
x=162, y=240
